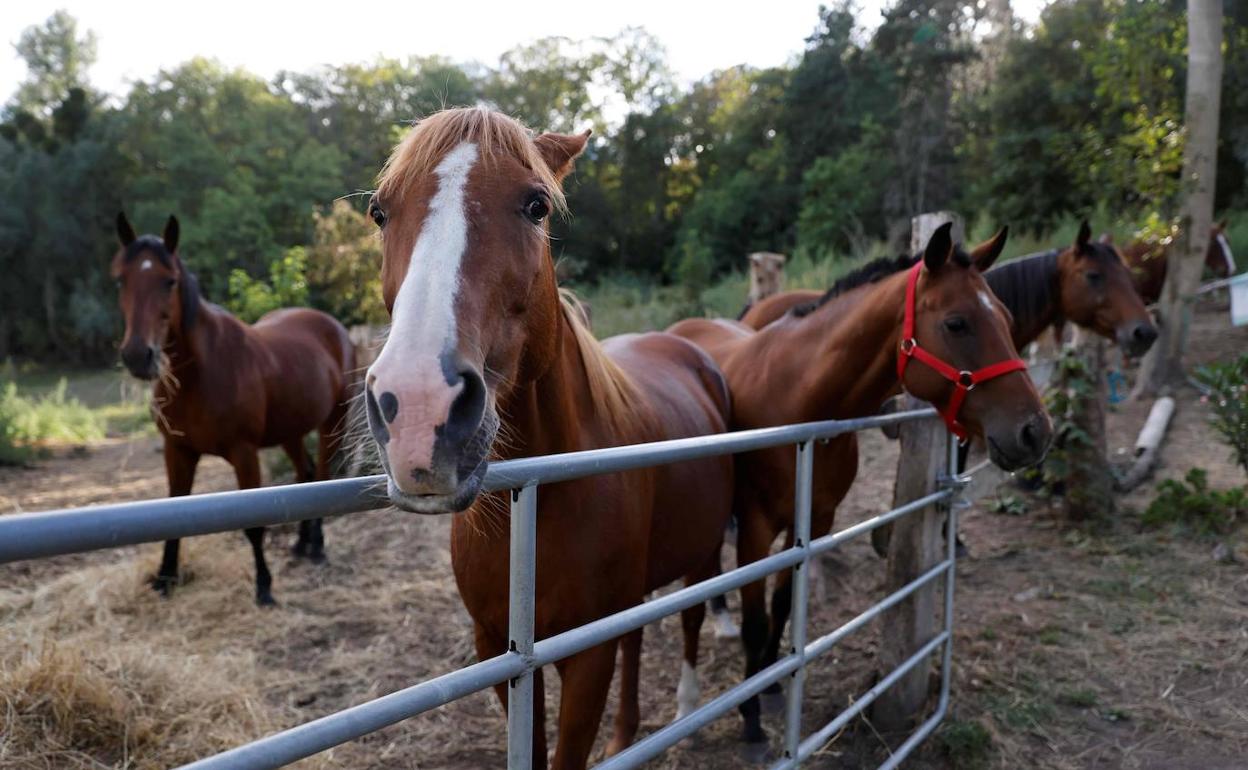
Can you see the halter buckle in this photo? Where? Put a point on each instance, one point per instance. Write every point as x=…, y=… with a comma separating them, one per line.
x=966, y=380
x=908, y=345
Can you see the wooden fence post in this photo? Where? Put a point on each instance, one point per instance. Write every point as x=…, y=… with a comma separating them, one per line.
x=914, y=548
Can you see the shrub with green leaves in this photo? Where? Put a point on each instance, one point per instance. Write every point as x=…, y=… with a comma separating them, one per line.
x=1190, y=503
x=1227, y=382
x=28, y=422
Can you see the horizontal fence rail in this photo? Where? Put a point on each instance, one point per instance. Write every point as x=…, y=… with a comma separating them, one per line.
x=38, y=535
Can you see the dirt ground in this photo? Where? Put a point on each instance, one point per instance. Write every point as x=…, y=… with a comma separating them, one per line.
x=1099, y=646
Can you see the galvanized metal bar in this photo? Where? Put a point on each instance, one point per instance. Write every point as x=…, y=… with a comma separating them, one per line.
x=297, y=743
x=951, y=556
x=821, y=736
x=74, y=530
x=661, y=740
x=520, y=614
x=801, y=588
x=828, y=542
x=592, y=634
x=918, y=736
x=574, y=465
x=826, y=642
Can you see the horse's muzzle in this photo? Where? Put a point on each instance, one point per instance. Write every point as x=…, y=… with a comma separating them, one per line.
x=141, y=361
x=1136, y=338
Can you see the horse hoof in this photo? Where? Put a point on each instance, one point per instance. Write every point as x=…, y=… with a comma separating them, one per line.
x=725, y=628
x=162, y=584
x=266, y=600
x=299, y=549
x=756, y=753
x=318, y=558
x=772, y=702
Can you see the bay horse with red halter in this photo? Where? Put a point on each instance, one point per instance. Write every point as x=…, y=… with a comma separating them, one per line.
x=486, y=360
x=1087, y=284
x=225, y=388
x=931, y=326
x=1147, y=260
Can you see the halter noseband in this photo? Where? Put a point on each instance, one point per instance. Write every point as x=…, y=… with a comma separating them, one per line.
x=963, y=381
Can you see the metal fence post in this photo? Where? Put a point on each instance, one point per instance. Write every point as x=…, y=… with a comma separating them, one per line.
x=801, y=588
x=523, y=579
x=951, y=544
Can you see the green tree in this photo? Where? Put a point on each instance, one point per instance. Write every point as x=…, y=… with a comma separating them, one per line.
x=57, y=59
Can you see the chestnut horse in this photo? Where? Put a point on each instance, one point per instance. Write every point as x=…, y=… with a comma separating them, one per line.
x=1147, y=260
x=839, y=359
x=485, y=361
x=225, y=388
x=1087, y=284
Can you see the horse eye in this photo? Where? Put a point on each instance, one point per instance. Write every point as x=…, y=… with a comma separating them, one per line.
x=957, y=325
x=537, y=208
x=1094, y=278
x=378, y=216
x=168, y=284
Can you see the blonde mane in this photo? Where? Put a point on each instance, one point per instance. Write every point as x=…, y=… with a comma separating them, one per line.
x=613, y=391
x=495, y=134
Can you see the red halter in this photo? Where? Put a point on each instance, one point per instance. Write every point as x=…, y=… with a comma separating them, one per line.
x=963, y=381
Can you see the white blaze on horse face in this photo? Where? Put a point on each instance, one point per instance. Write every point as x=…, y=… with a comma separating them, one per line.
x=423, y=325
x=147, y=265
x=984, y=299
x=1226, y=253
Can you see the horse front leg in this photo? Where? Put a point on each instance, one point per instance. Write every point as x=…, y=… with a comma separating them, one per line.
x=586, y=680
x=180, y=465
x=246, y=461
x=753, y=543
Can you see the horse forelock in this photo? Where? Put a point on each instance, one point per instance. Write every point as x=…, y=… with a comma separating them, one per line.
x=495, y=135
x=151, y=243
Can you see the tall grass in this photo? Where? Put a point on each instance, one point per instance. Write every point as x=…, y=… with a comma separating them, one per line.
x=28, y=423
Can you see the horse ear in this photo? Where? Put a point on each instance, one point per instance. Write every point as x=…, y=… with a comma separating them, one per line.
x=939, y=247
x=170, y=236
x=125, y=233
x=1085, y=235
x=1106, y=238
x=983, y=255
x=559, y=150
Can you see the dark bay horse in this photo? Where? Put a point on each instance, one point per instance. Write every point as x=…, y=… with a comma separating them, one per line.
x=228, y=389
x=1147, y=260
x=485, y=360
x=1087, y=284
x=839, y=359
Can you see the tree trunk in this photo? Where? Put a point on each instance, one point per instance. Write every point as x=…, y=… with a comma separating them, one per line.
x=1163, y=367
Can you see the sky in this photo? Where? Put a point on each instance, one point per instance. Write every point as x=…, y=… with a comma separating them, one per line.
x=135, y=39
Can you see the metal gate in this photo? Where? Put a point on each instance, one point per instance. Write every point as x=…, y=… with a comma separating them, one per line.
x=38, y=535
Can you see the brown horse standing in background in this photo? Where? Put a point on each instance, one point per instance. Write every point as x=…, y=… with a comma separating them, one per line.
x=1147, y=260
x=838, y=360
x=484, y=360
x=1087, y=284
x=225, y=388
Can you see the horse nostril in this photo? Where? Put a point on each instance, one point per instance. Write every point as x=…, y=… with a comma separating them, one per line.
x=389, y=405
x=375, y=423
x=1145, y=333
x=151, y=357
x=1027, y=437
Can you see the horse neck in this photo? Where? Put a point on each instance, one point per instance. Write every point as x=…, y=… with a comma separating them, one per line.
x=1030, y=288
x=839, y=361
x=188, y=349
x=555, y=411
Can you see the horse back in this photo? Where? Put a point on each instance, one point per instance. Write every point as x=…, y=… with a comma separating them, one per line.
x=765, y=311
x=684, y=394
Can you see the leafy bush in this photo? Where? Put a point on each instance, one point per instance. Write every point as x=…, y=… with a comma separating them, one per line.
x=28, y=422
x=287, y=286
x=1228, y=397
x=1191, y=503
